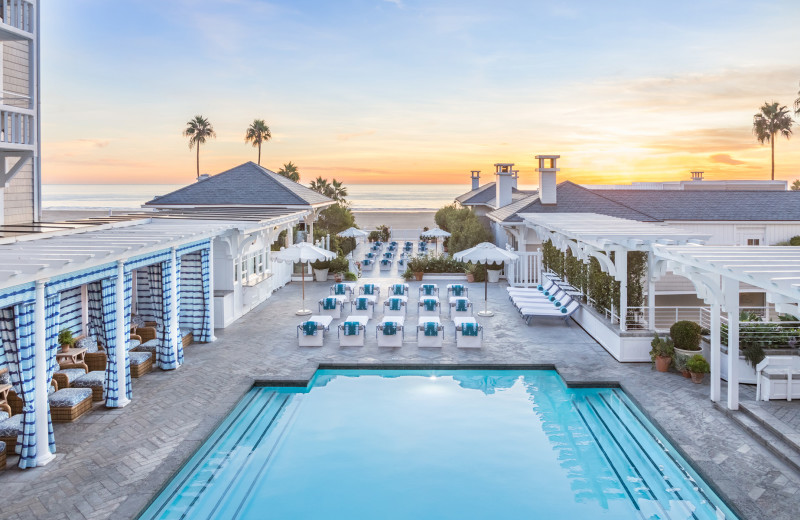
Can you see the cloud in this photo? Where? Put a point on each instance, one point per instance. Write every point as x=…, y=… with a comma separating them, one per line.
x=398, y=3
x=94, y=143
x=704, y=140
x=347, y=137
x=725, y=158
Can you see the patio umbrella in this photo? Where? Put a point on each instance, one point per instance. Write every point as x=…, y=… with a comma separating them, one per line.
x=303, y=253
x=436, y=234
x=353, y=233
x=485, y=253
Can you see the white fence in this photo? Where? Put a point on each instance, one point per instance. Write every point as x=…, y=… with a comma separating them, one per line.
x=526, y=271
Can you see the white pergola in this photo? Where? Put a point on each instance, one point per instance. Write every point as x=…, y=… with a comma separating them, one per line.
x=717, y=272
x=591, y=235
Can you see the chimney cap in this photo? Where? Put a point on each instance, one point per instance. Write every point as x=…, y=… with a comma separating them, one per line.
x=548, y=157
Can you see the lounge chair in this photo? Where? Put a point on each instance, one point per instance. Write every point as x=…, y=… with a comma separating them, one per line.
x=390, y=332
x=64, y=376
x=399, y=289
x=10, y=428
x=364, y=305
x=369, y=289
x=353, y=331
x=430, y=332
x=460, y=308
x=342, y=289
x=96, y=380
x=386, y=265
x=563, y=312
x=529, y=301
x=428, y=289
x=778, y=377
x=429, y=306
x=394, y=306
x=95, y=357
x=331, y=306
x=469, y=334
x=68, y=404
x=457, y=289
x=311, y=333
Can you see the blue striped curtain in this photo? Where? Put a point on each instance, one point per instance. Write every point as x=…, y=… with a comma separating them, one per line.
x=109, y=288
x=94, y=295
x=193, y=301
x=166, y=358
x=21, y=367
x=52, y=319
x=144, y=300
x=178, y=300
x=206, y=331
x=128, y=284
x=71, y=312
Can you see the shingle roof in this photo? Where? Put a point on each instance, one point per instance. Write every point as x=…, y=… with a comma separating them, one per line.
x=571, y=199
x=247, y=184
x=485, y=196
x=662, y=205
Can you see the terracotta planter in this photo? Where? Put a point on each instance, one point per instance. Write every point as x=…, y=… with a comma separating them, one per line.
x=470, y=277
x=697, y=377
x=338, y=277
x=662, y=363
x=685, y=373
x=64, y=347
x=418, y=276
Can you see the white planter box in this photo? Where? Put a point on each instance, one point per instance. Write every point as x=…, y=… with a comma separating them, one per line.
x=320, y=275
x=493, y=275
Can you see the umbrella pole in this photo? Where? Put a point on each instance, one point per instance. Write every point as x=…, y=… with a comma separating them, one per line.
x=303, y=311
x=486, y=313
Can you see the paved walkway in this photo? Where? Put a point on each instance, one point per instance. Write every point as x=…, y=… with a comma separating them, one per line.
x=111, y=462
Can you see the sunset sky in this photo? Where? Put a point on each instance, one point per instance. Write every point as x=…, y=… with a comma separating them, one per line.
x=396, y=91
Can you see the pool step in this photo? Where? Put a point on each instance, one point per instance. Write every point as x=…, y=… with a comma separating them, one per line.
x=765, y=435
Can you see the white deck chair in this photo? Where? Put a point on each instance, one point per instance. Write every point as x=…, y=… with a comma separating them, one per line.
x=460, y=308
x=331, y=306
x=353, y=331
x=428, y=290
x=468, y=341
x=395, y=306
x=429, y=306
x=364, y=305
x=430, y=332
x=563, y=312
x=313, y=335
x=387, y=339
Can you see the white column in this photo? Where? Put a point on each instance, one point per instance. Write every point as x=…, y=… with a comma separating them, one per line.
x=651, y=292
x=85, y=309
x=211, y=286
x=310, y=230
x=289, y=237
x=173, y=315
x=715, y=352
x=121, y=333
x=621, y=265
x=730, y=289
x=43, y=455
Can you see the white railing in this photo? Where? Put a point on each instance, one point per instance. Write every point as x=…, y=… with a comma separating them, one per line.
x=18, y=14
x=17, y=126
x=526, y=271
x=639, y=317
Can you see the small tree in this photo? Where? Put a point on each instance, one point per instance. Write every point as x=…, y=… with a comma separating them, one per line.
x=257, y=133
x=796, y=185
x=289, y=171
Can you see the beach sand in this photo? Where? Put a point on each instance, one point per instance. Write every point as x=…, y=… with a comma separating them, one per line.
x=367, y=220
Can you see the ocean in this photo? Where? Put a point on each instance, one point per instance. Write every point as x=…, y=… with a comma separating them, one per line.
x=362, y=197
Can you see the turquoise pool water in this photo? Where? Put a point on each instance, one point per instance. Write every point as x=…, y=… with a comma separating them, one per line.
x=434, y=444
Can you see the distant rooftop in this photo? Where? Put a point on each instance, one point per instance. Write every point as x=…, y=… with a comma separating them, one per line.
x=245, y=185
x=485, y=196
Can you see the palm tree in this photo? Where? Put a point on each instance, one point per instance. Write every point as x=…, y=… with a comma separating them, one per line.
x=796, y=185
x=257, y=133
x=338, y=191
x=768, y=123
x=289, y=171
x=797, y=104
x=198, y=129
x=320, y=185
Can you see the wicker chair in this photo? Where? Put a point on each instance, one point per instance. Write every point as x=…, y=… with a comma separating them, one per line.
x=2, y=455
x=94, y=360
x=146, y=333
x=65, y=375
x=68, y=404
x=9, y=429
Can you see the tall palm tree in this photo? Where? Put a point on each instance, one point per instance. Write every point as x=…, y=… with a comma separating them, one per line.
x=338, y=191
x=289, y=171
x=768, y=123
x=257, y=133
x=198, y=130
x=797, y=104
x=320, y=185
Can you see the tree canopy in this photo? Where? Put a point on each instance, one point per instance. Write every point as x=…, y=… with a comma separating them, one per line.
x=257, y=133
x=290, y=171
x=465, y=228
x=772, y=120
x=198, y=130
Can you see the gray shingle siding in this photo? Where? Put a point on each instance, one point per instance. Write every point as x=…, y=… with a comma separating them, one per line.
x=247, y=184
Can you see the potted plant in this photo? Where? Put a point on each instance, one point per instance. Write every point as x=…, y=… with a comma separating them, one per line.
x=408, y=274
x=698, y=367
x=417, y=266
x=339, y=266
x=661, y=352
x=686, y=336
x=66, y=339
x=350, y=276
x=493, y=272
x=470, y=272
x=321, y=268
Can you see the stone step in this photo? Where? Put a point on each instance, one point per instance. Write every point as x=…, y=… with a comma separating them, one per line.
x=787, y=453
x=778, y=428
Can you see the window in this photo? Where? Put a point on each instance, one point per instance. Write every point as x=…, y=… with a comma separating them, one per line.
x=253, y=268
x=753, y=242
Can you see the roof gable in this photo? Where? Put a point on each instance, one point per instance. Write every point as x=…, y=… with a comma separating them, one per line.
x=245, y=185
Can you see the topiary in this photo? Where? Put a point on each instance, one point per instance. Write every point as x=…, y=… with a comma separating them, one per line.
x=686, y=335
x=698, y=364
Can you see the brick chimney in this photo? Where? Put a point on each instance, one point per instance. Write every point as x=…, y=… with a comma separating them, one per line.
x=476, y=179
x=547, y=178
x=504, y=182
x=697, y=176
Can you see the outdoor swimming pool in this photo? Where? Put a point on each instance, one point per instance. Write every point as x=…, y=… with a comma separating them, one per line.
x=436, y=444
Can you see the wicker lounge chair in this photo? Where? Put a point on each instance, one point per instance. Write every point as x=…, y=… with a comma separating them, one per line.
x=64, y=376
x=141, y=363
x=96, y=380
x=68, y=404
x=10, y=428
x=95, y=357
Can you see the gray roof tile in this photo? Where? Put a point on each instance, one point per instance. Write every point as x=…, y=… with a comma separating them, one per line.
x=247, y=184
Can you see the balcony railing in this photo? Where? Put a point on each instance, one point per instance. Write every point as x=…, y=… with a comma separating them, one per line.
x=17, y=126
x=19, y=14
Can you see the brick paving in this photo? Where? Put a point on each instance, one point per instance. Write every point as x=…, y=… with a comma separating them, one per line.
x=111, y=463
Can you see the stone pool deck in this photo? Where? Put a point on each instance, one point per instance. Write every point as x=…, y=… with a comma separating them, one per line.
x=110, y=463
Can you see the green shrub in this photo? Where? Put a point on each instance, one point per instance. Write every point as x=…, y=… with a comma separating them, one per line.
x=321, y=264
x=698, y=364
x=408, y=274
x=65, y=337
x=350, y=276
x=380, y=233
x=339, y=264
x=794, y=241
x=466, y=229
x=661, y=347
x=686, y=335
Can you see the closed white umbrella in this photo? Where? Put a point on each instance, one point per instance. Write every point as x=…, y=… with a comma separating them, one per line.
x=303, y=253
x=485, y=253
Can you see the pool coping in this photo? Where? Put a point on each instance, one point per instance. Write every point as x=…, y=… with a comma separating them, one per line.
x=294, y=382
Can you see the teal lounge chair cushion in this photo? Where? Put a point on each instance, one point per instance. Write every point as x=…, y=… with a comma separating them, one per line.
x=351, y=328
x=429, y=304
x=389, y=328
x=399, y=289
x=428, y=289
x=469, y=329
x=431, y=328
x=369, y=288
x=461, y=305
x=395, y=304
x=329, y=304
x=457, y=290
x=362, y=304
x=310, y=328
x=339, y=288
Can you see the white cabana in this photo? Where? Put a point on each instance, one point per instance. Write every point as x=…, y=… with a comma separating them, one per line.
x=717, y=273
x=303, y=253
x=436, y=234
x=591, y=235
x=486, y=253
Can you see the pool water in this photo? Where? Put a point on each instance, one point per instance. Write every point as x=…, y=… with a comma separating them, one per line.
x=436, y=444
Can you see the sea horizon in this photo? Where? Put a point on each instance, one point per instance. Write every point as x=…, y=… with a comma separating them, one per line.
x=362, y=197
